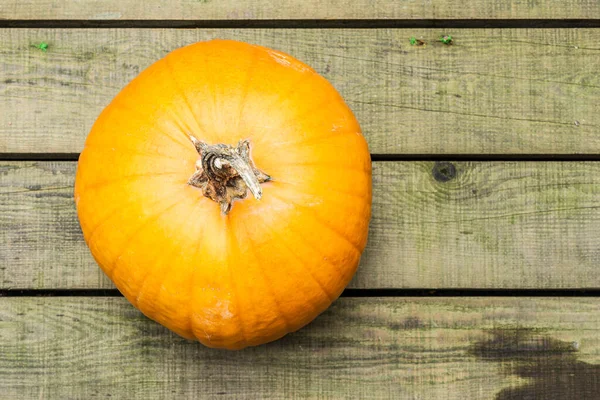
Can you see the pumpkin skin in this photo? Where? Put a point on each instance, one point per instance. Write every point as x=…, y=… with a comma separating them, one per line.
x=268, y=266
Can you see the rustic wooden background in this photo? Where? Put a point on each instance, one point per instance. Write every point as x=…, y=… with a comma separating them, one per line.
x=481, y=279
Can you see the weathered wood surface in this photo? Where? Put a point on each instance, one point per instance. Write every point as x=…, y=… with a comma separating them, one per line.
x=493, y=225
x=296, y=9
x=470, y=348
x=493, y=91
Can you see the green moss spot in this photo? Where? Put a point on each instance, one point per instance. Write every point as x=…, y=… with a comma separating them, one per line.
x=446, y=39
x=42, y=46
x=416, y=42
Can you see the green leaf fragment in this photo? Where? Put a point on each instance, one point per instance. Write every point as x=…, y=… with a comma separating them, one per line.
x=42, y=46
x=446, y=39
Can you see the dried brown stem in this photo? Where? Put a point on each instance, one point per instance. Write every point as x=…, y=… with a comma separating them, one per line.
x=225, y=173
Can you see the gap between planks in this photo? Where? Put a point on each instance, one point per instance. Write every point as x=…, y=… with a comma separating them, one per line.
x=66, y=157
x=307, y=24
x=348, y=293
x=253, y=10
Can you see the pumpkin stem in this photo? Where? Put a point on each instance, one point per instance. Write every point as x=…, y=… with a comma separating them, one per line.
x=225, y=173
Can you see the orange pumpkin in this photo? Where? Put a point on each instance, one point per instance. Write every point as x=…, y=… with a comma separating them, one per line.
x=161, y=193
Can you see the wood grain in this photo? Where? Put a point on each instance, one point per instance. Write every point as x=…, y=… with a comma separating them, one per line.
x=378, y=348
x=296, y=9
x=494, y=91
x=492, y=225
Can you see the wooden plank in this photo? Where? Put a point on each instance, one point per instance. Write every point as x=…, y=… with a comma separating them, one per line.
x=493, y=91
x=40, y=239
x=474, y=348
x=493, y=225
x=295, y=9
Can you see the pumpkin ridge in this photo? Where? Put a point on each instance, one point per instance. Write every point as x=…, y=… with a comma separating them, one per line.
x=312, y=141
x=323, y=223
x=115, y=211
x=300, y=261
x=324, y=165
x=201, y=128
x=268, y=109
x=236, y=293
x=309, y=197
x=124, y=105
x=133, y=177
x=331, y=189
x=249, y=76
x=213, y=94
x=167, y=271
x=308, y=110
x=325, y=195
x=166, y=256
x=135, y=233
x=88, y=146
x=266, y=279
x=303, y=239
x=192, y=280
x=179, y=123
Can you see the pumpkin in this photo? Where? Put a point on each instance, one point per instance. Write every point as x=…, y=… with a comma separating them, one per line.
x=226, y=191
